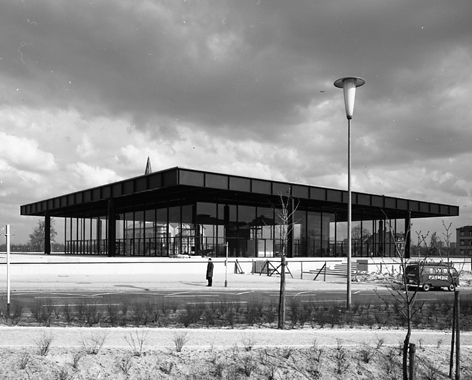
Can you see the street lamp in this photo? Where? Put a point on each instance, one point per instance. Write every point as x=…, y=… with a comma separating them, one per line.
x=349, y=85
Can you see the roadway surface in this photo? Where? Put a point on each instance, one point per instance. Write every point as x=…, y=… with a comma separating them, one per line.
x=367, y=296
x=186, y=288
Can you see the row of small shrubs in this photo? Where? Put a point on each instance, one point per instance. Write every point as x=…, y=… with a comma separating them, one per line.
x=436, y=316
x=162, y=312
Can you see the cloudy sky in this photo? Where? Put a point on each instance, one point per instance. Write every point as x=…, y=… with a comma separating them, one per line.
x=89, y=89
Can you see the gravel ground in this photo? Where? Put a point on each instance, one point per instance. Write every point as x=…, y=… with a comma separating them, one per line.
x=130, y=353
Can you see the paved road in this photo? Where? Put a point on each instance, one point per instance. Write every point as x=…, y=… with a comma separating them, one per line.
x=132, y=294
x=188, y=288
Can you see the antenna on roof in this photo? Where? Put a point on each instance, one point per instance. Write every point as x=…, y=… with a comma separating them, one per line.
x=148, y=167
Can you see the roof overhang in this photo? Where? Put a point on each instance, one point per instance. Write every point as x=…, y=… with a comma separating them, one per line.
x=182, y=186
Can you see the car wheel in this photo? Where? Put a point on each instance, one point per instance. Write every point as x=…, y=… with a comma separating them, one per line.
x=426, y=287
x=450, y=287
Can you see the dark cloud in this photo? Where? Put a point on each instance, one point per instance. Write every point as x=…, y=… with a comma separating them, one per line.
x=245, y=65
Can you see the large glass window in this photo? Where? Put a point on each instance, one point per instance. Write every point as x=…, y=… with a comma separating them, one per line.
x=357, y=236
x=139, y=225
x=247, y=231
x=162, y=236
x=314, y=234
x=72, y=235
x=299, y=233
x=231, y=230
x=175, y=246
x=327, y=225
x=267, y=245
x=204, y=228
x=128, y=244
x=207, y=222
x=187, y=231
x=227, y=217
x=120, y=234
x=149, y=243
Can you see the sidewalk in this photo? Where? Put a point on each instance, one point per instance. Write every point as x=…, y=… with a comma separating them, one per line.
x=99, y=273
x=114, y=282
x=221, y=337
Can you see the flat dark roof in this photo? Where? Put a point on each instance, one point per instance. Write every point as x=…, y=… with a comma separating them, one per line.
x=184, y=186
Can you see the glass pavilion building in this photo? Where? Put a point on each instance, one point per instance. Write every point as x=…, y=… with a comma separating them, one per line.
x=182, y=211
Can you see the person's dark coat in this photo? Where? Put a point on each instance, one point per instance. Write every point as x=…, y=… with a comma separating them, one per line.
x=209, y=273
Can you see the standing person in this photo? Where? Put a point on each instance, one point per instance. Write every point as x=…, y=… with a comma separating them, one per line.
x=209, y=274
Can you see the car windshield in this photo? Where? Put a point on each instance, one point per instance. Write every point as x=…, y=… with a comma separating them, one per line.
x=411, y=271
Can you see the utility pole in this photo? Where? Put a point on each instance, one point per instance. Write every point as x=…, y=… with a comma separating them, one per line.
x=7, y=235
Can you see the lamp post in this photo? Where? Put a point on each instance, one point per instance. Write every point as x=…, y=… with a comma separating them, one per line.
x=349, y=85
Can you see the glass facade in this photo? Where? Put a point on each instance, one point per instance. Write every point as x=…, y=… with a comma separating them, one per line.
x=209, y=229
x=183, y=211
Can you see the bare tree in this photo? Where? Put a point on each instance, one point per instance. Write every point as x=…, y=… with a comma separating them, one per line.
x=402, y=293
x=284, y=219
x=455, y=336
x=421, y=247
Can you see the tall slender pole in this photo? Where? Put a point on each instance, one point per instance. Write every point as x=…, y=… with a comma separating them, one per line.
x=226, y=266
x=349, y=85
x=458, y=334
x=8, y=269
x=453, y=337
x=349, y=214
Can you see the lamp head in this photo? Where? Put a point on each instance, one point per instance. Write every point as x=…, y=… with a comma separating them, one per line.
x=349, y=85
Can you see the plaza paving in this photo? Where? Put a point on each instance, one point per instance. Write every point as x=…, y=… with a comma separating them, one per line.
x=185, y=281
